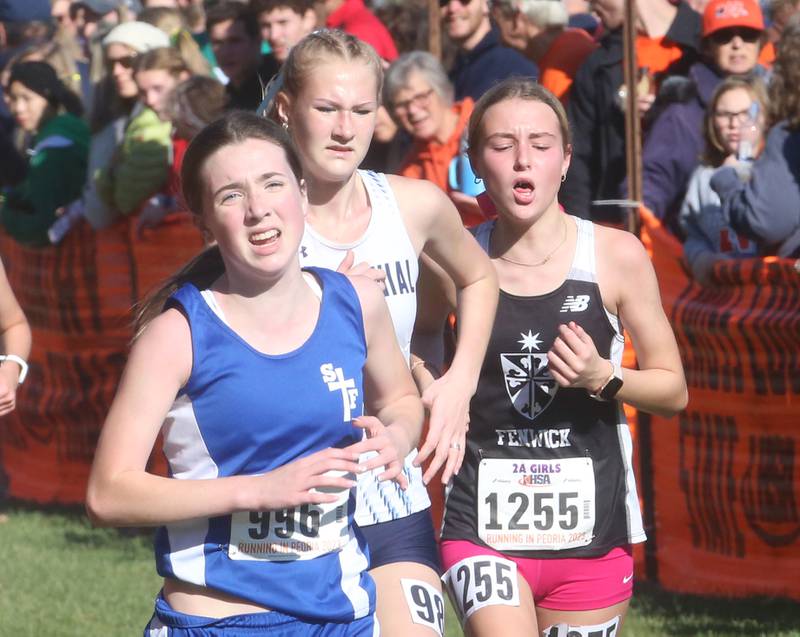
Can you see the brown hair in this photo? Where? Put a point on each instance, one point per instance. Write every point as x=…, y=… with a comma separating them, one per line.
x=320, y=46
x=300, y=7
x=195, y=103
x=233, y=128
x=783, y=87
x=516, y=88
x=715, y=153
x=162, y=59
x=173, y=22
x=236, y=11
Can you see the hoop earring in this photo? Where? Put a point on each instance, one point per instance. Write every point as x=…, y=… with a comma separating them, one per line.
x=477, y=180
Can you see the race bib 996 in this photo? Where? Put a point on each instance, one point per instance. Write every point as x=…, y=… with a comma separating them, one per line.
x=299, y=533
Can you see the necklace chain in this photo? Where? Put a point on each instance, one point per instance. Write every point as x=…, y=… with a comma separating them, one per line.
x=543, y=261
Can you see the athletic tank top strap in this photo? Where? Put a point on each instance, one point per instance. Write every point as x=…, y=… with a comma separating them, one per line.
x=381, y=196
x=583, y=265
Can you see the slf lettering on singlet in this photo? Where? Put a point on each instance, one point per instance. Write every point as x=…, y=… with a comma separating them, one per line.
x=536, y=505
x=299, y=533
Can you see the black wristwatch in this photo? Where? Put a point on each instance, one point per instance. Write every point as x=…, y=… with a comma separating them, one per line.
x=611, y=387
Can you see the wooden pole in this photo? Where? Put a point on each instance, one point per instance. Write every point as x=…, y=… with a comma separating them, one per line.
x=434, y=29
x=633, y=129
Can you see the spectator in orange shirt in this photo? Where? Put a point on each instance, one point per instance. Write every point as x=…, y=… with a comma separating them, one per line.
x=419, y=97
x=538, y=29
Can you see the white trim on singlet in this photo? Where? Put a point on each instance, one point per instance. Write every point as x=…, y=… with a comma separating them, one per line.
x=352, y=562
x=214, y=306
x=188, y=458
x=633, y=512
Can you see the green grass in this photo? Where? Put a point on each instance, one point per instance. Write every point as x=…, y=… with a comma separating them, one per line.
x=59, y=578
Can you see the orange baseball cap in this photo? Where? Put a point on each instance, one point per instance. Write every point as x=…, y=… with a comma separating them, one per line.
x=722, y=14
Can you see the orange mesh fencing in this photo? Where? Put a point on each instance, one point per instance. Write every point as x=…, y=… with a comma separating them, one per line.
x=77, y=297
x=719, y=483
x=723, y=502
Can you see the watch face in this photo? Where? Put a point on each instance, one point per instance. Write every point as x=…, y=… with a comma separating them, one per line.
x=612, y=387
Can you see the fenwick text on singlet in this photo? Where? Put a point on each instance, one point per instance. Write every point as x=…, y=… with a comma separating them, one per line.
x=547, y=438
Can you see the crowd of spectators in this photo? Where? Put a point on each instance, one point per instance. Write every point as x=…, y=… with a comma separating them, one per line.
x=101, y=97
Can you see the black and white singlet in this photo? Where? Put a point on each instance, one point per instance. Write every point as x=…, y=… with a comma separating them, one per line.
x=547, y=471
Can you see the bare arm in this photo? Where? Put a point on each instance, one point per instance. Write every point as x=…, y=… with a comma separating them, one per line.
x=455, y=250
x=121, y=492
x=388, y=387
x=15, y=338
x=658, y=386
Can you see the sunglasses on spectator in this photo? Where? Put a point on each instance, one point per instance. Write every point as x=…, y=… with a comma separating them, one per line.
x=126, y=62
x=723, y=36
x=420, y=100
x=444, y=3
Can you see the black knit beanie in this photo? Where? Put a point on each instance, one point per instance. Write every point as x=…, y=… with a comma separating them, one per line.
x=41, y=78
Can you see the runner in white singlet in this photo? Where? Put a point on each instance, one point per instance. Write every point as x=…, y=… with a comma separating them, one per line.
x=330, y=91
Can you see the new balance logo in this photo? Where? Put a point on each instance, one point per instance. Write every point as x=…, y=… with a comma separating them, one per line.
x=577, y=303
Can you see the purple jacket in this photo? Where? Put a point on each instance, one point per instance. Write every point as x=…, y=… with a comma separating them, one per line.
x=674, y=142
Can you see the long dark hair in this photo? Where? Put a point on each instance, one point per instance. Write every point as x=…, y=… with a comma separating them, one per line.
x=234, y=127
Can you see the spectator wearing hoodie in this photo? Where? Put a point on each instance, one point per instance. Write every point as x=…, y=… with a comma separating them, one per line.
x=727, y=127
x=353, y=17
x=733, y=34
x=113, y=115
x=766, y=206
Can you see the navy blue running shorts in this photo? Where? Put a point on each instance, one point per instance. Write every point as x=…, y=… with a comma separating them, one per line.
x=408, y=539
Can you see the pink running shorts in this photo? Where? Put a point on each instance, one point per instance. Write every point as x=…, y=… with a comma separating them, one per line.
x=562, y=583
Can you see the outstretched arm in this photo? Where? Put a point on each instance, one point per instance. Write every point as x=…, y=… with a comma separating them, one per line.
x=391, y=394
x=455, y=250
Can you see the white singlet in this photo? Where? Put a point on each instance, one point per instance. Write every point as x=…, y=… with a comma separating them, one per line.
x=384, y=245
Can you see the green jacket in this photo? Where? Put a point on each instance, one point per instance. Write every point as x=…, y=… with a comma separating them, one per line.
x=56, y=174
x=140, y=165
